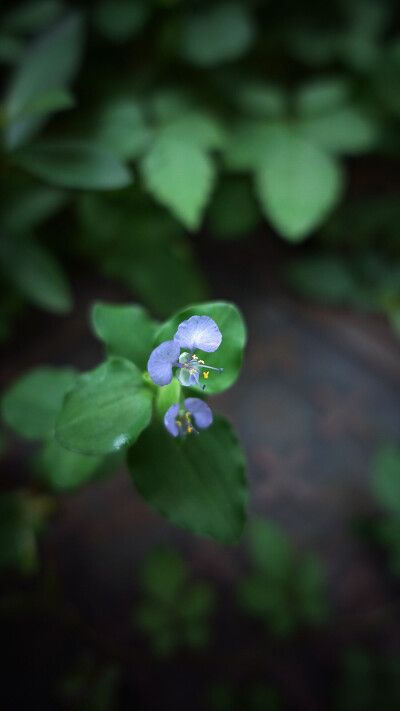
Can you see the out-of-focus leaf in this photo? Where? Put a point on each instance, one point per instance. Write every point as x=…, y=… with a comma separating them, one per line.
x=213, y=35
x=36, y=274
x=22, y=517
x=181, y=176
x=121, y=128
x=32, y=16
x=344, y=130
x=74, y=164
x=270, y=549
x=198, y=484
x=49, y=64
x=200, y=128
x=11, y=49
x=119, y=20
x=260, y=100
x=163, y=573
x=127, y=331
x=32, y=403
x=62, y=470
x=326, y=279
x=297, y=184
x=31, y=205
x=322, y=95
x=106, y=410
x=56, y=100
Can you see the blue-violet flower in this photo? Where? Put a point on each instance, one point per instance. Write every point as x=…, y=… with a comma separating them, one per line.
x=197, y=332
x=178, y=420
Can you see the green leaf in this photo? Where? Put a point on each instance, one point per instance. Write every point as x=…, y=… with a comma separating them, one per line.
x=118, y=20
x=248, y=143
x=36, y=274
x=198, y=484
x=121, y=128
x=107, y=409
x=180, y=176
x=234, y=211
x=260, y=100
x=217, y=34
x=51, y=101
x=31, y=405
x=297, y=184
x=386, y=478
x=198, y=128
x=71, y=163
x=197, y=602
x=270, y=549
x=163, y=574
x=322, y=95
x=49, y=64
x=30, y=206
x=345, y=130
x=32, y=16
x=229, y=354
x=62, y=470
x=127, y=331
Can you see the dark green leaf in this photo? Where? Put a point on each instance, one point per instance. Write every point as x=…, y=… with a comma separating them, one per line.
x=36, y=274
x=118, y=20
x=71, y=163
x=345, y=130
x=127, y=331
x=198, y=484
x=30, y=206
x=163, y=574
x=217, y=34
x=107, y=409
x=32, y=16
x=62, y=470
x=234, y=211
x=31, y=405
x=229, y=354
x=270, y=549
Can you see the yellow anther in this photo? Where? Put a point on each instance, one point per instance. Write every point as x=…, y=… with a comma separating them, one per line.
x=206, y=374
x=178, y=422
x=195, y=357
x=193, y=370
x=187, y=415
x=190, y=429
x=201, y=361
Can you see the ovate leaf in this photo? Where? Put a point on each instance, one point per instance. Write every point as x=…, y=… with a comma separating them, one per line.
x=297, y=184
x=217, y=34
x=180, y=175
x=36, y=274
x=30, y=405
x=198, y=484
x=127, y=331
x=63, y=470
x=345, y=130
x=71, y=163
x=107, y=409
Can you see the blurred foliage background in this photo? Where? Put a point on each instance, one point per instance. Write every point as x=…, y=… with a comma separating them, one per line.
x=139, y=138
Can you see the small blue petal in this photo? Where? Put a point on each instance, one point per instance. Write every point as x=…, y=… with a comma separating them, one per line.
x=170, y=419
x=161, y=361
x=199, y=332
x=202, y=414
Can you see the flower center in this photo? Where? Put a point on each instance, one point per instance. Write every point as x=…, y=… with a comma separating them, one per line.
x=196, y=367
x=184, y=424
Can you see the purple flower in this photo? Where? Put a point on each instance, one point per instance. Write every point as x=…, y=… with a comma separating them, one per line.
x=161, y=361
x=199, y=332
x=196, y=332
x=178, y=420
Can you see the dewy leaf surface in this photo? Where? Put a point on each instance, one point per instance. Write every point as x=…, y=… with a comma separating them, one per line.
x=108, y=409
